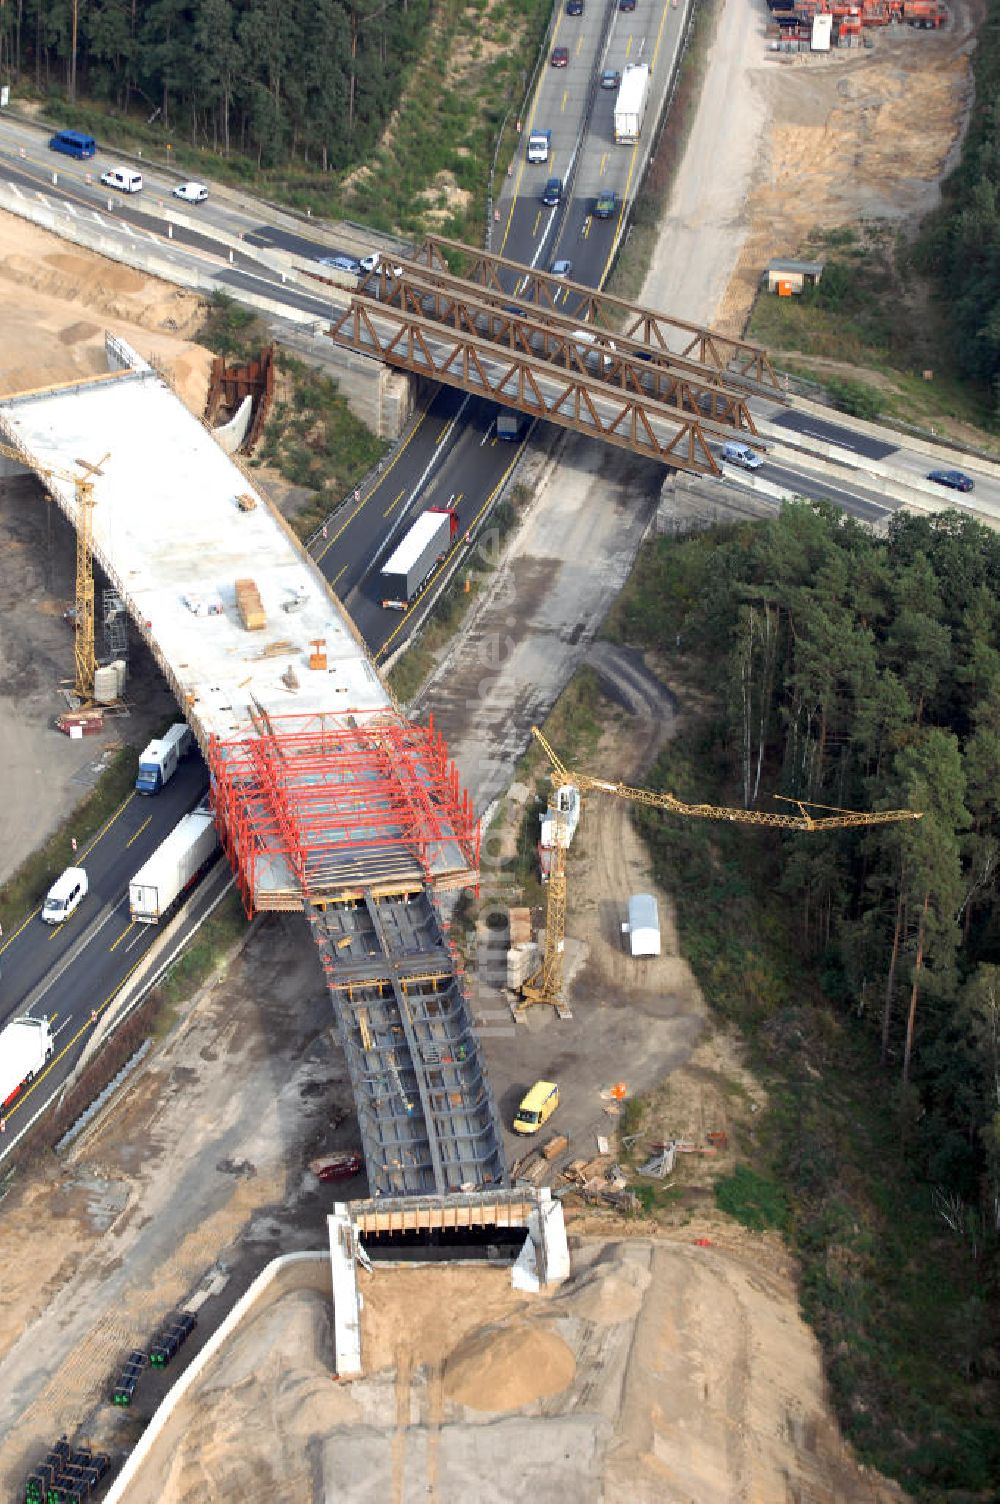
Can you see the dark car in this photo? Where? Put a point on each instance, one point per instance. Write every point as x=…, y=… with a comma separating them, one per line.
x=610, y=78
x=606, y=204
x=626, y=4
x=574, y=7
x=955, y=480
x=552, y=193
x=560, y=57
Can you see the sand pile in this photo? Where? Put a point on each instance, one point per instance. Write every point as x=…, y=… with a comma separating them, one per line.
x=607, y=1299
x=503, y=1368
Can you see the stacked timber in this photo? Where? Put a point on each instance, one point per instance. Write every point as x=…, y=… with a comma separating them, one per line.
x=250, y=607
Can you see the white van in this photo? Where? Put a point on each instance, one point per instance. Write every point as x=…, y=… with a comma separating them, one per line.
x=65, y=895
x=122, y=179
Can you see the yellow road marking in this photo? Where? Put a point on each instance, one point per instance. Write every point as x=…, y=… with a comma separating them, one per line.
x=78, y=1035
x=562, y=107
x=635, y=155
x=604, y=163
x=365, y=499
x=139, y=832
x=121, y=937
x=628, y=46
x=336, y=577
x=459, y=543
x=387, y=511
x=534, y=228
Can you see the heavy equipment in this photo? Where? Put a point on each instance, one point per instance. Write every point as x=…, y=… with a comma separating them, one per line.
x=84, y=654
x=546, y=984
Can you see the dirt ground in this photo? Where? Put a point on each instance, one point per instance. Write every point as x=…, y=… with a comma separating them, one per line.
x=783, y=145
x=662, y=1373
x=56, y=302
x=686, y=1371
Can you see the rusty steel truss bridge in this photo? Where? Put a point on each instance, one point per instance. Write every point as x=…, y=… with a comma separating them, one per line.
x=554, y=349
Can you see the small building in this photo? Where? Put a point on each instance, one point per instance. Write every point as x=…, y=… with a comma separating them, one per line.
x=643, y=926
x=789, y=277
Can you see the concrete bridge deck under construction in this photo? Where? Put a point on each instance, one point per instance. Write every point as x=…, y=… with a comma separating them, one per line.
x=327, y=799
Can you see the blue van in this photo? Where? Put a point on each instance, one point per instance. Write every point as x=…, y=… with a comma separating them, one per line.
x=74, y=144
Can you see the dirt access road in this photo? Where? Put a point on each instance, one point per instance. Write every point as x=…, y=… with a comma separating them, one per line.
x=783, y=146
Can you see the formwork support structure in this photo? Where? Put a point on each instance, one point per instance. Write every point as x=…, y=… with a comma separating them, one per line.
x=309, y=808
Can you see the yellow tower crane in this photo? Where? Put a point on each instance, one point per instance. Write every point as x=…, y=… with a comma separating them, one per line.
x=84, y=652
x=546, y=984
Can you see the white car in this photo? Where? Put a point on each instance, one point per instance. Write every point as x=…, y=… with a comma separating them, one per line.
x=742, y=455
x=370, y=263
x=191, y=193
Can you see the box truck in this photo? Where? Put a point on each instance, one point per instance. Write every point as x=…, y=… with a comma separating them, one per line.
x=412, y=563
x=630, y=106
x=25, y=1046
x=174, y=864
x=158, y=763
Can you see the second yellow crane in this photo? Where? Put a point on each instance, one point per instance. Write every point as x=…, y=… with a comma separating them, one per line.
x=546, y=984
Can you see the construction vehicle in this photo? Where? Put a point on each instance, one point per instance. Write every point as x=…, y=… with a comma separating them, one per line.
x=83, y=485
x=546, y=984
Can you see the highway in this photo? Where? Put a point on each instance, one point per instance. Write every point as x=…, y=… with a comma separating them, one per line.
x=71, y=971
x=450, y=454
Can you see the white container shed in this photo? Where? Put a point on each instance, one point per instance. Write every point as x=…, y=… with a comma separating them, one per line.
x=643, y=927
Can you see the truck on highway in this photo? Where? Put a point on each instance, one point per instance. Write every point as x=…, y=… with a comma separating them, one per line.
x=412, y=562
x=509, y=425
x=173, y=866
x=538, y=146
x=158, y=762
x=25, y=1046
x=630, y=106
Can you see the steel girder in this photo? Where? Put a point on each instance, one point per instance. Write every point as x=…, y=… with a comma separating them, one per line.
x=657, y=331
x=542, y=330
x=523, y=381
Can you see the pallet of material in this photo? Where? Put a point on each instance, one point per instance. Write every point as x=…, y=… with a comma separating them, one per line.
x=250, y=607
x=555, y=1146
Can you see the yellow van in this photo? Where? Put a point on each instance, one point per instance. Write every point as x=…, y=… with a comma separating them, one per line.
x=537, y=1107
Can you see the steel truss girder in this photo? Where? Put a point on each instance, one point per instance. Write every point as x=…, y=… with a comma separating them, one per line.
x=528, y=384
x=547, y=333
x=722, y=352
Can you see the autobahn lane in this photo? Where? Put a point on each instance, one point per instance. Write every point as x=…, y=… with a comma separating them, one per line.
x=36, y=955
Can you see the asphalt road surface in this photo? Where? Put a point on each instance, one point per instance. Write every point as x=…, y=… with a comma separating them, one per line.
x=71, y=972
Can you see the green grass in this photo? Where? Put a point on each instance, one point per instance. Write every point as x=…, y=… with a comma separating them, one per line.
x=315, y=441
x=872, y=315
x=753, y=1199
x=32, y=880
x=445, y=129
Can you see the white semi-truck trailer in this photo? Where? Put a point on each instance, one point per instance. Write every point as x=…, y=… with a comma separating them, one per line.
x=174, y=864
x=25, y=1046
x=630, y=106
x=425, y=544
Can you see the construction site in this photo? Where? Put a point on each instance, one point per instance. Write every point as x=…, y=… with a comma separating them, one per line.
x=174, y=1337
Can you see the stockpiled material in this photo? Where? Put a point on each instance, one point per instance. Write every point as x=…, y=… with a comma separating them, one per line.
x=505, y=1367
x=250, y=608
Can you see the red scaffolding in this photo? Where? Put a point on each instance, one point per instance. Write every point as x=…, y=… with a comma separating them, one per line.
x=312, y=807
